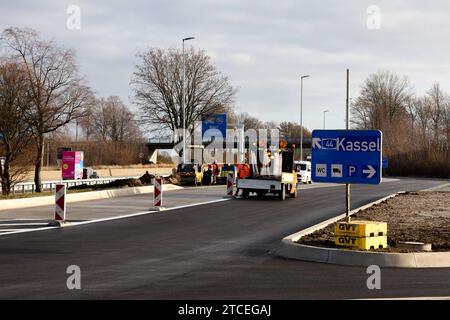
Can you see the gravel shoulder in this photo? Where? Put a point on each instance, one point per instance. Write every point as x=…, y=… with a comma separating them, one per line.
x=415, y=216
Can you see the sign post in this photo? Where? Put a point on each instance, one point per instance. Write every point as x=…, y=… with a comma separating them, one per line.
x=347, y=120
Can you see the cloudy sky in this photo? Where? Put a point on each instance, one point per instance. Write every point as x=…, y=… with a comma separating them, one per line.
x=263, y=46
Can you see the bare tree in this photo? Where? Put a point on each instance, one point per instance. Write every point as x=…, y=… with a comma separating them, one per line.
x=15, y=132
x=415, y=129
x=292, y=130
x=249, y=121
x=86, y=122
x=58, y=94
x=384, y=99
x=157, y=86
x=112, y=120
x=437, y=102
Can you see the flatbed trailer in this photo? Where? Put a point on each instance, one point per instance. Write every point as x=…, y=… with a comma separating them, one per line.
x=282, y=184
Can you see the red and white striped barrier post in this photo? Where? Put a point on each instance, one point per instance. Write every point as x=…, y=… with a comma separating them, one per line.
x=230, y=178
x=157, y=193
x=60, y=203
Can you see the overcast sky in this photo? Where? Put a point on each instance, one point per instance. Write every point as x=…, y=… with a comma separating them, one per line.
x=263, y=46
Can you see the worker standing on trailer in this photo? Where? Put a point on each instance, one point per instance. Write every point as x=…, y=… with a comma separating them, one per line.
x=243, y=172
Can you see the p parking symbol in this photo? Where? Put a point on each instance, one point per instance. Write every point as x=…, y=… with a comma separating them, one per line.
x=352, y=171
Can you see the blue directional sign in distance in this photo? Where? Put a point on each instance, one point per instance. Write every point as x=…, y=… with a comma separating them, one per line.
x=214, y=125
x=347, y=156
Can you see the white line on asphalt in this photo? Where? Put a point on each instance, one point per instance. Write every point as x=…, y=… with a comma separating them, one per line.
x=23, y=224
x=28, y=230
x=21, y=219
x=437, y=187
x=147, y=212
x=116, y=218
x=302, y=186
x=411, y=298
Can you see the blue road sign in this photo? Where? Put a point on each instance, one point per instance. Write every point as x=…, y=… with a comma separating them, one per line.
x=214, y=125
x=346, y=156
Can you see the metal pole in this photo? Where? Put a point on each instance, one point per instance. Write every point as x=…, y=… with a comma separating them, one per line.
x=347, y=113
x=184, y=111
x=301, y=116
x=183, y=103
x=324, y=114
x=324, y=120
x=301, y=119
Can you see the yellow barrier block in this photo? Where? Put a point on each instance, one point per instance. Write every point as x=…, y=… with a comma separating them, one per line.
x=365, y=243
x=360, y=229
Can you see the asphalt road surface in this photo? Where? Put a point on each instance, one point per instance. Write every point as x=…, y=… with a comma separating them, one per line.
x=216, y=251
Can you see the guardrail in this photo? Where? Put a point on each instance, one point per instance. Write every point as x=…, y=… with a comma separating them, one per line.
x=29, y=187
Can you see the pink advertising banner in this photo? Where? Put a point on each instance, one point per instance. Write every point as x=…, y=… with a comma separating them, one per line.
x=72, y=165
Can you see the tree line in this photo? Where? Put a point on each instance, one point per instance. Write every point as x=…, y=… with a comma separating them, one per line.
x=416, y=129
x=42, y=92
x=42, y=96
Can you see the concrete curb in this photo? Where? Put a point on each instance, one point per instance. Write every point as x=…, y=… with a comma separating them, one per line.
x=82, y=196
x=292, y=250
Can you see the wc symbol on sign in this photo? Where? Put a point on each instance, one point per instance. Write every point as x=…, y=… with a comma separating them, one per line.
x=321, y=170
x=352, y=170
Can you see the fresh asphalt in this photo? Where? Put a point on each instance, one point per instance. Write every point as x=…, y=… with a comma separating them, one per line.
x=216, y=251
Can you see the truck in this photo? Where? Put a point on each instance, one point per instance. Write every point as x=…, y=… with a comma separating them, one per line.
x=303, y=169
x=275, y=175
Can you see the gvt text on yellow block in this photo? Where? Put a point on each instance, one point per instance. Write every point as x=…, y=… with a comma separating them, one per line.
x=365, y=243
x=360, y=229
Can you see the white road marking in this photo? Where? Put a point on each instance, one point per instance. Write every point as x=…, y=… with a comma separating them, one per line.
x=28, y=230
x=148, y=212
x=315, y=185
x=23, y=224
x=411, y=298
x=69, y=224
x=329, y=185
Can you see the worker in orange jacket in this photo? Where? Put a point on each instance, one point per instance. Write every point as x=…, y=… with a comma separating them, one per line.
x=243, y=172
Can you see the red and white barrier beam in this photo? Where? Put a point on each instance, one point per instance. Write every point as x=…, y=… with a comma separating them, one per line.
x=230, y=179
x=60, y=202
x=157, y=194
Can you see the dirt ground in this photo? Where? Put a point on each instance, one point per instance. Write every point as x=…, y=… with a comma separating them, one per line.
x=419, y=217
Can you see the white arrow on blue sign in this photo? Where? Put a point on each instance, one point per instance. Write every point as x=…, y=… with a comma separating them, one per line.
x=346, y=156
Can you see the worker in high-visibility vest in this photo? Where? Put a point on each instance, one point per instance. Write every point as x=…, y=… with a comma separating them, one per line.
x=215, y=171
x=243, y=172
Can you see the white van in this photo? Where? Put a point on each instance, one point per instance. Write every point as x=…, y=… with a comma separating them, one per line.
x=303, y=169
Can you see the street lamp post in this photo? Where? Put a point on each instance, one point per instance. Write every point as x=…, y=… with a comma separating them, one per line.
x=324, y=113
x=301, y=115
x=183, y=103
